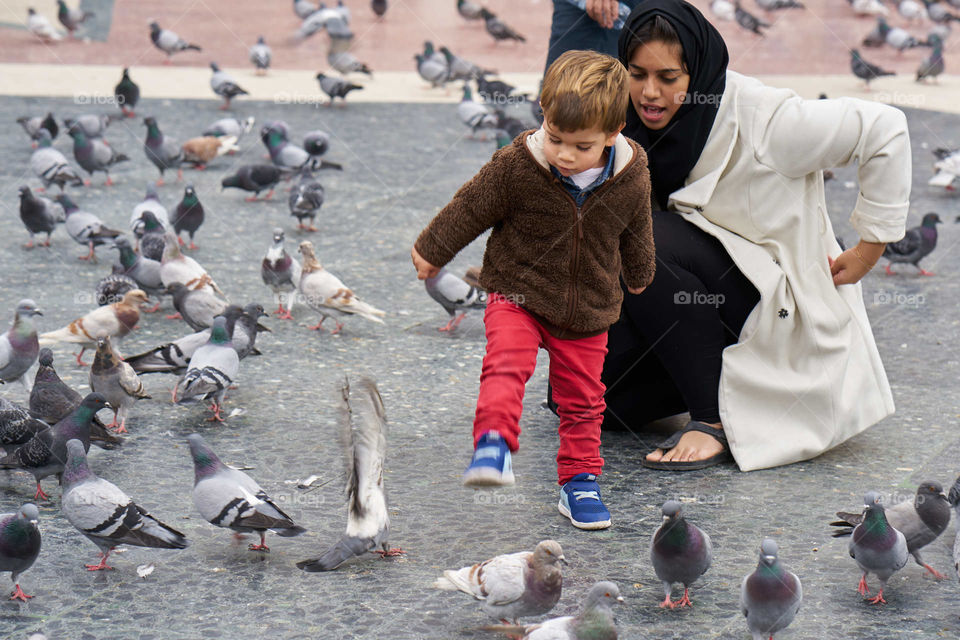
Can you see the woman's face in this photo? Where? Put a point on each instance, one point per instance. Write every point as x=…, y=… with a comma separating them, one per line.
x=658, y=83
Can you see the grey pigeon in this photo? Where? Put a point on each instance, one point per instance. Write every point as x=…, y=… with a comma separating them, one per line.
x=877, y=547
x=93, y=154
x=469, y=10
x=188, y=216
x=246, y=327
x=680, y=552
x=283, y=153
x=770, y=596
x=433, y=69
x=45, y=453
x=229, y=498
x=336, y=87
x=362, y=425
x=594, y=622
x=256, y=178
x=127, y=94
x=33, y=124
x=85, y=228
x=749, y=21
x=71, y=18
x=497, y=91
x=932, y=66
x=316, y=143
x=379, y=7
x=303, y=8
x=19, y=544
x=498, y=28
x=144, y=271
x=326, y=294
x=775, y=5
x=225, y=86
x=515, y=585
x=864, y=70
x=163, y=151
x=39, y=215
x=93, y=125
x=306, y=198
x=51, y=400
x=197, y=307
x=116, y=381
x=113, y=287
x=107, y=516
x=895, y=37
x=454, y=294
x=260, y=55
x=51, y=166
x=230, y=127
x=151, y=202
x=920, y=521
x=17, y=425
x=19, y=346
x=461, y=69
x=916, y=245
x=169, y=42
x=954, y=498
x=281, y=272
x=213, y=368
x=314, y=22
x=153, y=236
x=343, y=10
x=345, y=62
x=474, y=114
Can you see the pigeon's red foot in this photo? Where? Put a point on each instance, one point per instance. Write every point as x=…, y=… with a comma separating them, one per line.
x=311, y=228
x=667, y=603
x=81, y=363
x=86, y=183
x=179, y=175
x=175, y=316
x=269, y=195
x=101, y=566
x=216, y=414
x=877, y=599
x=317, y=327
x=192, y=246
x=285, y=315
x=934, y=573
x=160, y=182
x=336, y=329
x=684, y=601
x=924, y=272
x=40, y=494
x=109, y=182
x=862, y=588
x=250, y=199
x=262, y=546
x=390, y=553
x=179, y=241
x=29, y=245
x=153, y=309
x=18, y=594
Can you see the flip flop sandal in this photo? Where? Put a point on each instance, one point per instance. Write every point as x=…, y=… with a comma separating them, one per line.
x=691, y=465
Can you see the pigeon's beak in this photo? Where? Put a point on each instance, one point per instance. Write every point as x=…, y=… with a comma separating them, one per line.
x=562, y=559
x=619, y=598
x=34, y=522
x=37, y=312
x=769, y=559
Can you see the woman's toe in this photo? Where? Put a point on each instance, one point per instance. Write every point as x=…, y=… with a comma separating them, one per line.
x=655, y=456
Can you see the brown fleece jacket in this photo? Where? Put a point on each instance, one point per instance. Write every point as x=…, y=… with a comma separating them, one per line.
x=560, y=264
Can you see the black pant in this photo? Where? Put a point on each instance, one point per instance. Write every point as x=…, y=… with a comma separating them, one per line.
x=666, y=350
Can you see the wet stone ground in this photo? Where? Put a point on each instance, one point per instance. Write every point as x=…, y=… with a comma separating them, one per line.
x=402, y=163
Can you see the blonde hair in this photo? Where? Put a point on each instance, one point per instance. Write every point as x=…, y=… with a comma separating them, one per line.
x=583, y=90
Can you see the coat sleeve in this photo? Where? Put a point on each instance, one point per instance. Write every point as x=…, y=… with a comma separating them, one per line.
x=477, y=206
x=637, y=255
x=800, y=137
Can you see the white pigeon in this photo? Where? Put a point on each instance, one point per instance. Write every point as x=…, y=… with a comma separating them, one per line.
x=869, y=8
x=41, y=27
x=176, y=267
x=304, y=8
x=725, y=10
x=912, y=10
x=260, y=56
x=281, y=272
x=230, y=127
x=326, y=294
x=947, y=170
x=212, y=369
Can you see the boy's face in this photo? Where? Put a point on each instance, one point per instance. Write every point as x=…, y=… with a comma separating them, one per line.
x=575, y=151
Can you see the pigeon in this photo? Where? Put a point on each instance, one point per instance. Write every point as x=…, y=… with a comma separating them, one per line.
x=169, y=42
x=747, y=20
x=326, y=294
x=71, y=18
x=498, y=29
x=143, y=270
x=44, y=454
x=200, y=151
x=511, y=126
x=188, y=216
x=868, y=7
x=343, y=10
x=39, y=215
x=469, y=10
x=51, y=166
x=282, y=152
x=474, y=114
x=230, y=127
x=225, y=86
x=92, y=125
x=932, y=66
x=163, y=151
x=303, y=8
x=434, y=71
x=317, y=21
x=113, y=287
x=260, y=55
x=229, y=498
x=775, y=5
x=345, y=62
x=954, y=499
x=497, y=91
x=916, y=244
x=153, y=236
x=912, y=10
x=939, y=13
x=921, y=521
x=115, y=320
x=176, y=267
x=39, y=26
x=316, y=143
x=32, y=126
x=243, y=328
x=17, y=425
x=19, y=544
x=947, y=169
x=379, y=7
x=116, y=381
x=454, y=294
x=335, y=87
x=94, y=154
x=127, y=94
x=85, y=228
x=896, y=37
x=150, y=202
x=213, y=368
x=281, y=272
x=106, y=515
x=305, y=201
x=51, y=400
x=877, y=547
x=864, y=70
x=770, y=596
x=724, y=10
x=461, y=69
x=680, y=552
x=19, y=346
x=512, y=586
x=256, y=178
x=198, y=307
x=362, y=427
x=340, y=34
x=595, y=622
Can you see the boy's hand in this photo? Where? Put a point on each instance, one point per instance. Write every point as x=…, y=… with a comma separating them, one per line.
x=424, y=269
x=636, y=291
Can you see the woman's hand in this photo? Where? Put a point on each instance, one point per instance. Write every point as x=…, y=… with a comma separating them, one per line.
x=603, y=11
x=424, y=269
x=851, y=265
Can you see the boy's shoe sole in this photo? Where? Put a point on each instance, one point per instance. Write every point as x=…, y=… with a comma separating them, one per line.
x=589, y=526
x=487, y=477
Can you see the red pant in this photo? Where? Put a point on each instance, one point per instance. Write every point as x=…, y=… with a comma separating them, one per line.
x=513, y=339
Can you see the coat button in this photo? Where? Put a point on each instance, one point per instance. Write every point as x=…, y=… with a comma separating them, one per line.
x=783, y=313
x=699, y=209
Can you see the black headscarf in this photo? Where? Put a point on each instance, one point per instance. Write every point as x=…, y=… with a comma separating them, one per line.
x=674, y=150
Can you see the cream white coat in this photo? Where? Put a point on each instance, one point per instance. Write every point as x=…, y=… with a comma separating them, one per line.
x=805, y=374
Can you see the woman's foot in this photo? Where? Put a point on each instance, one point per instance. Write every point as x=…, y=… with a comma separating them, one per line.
x=693, y=446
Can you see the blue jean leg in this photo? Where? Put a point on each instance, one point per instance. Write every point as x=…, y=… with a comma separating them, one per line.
x=572, y=28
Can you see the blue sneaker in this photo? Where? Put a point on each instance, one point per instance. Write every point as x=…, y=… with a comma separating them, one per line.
x=491, y=465
x=580, y=501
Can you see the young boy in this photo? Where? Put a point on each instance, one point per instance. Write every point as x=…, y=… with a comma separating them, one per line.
x=570, y=209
